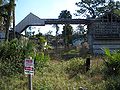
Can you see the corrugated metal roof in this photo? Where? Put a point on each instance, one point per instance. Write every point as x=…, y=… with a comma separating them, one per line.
x=29, y=20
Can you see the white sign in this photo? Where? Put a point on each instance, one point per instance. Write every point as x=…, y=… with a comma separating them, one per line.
x=29, y=66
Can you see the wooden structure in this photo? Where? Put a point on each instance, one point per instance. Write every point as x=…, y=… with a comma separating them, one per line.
x=104, y=32
x=33, y=20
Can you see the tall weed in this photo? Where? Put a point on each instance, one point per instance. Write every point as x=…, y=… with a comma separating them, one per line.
x=75, y=66
x=112, y=62
x=40, y=60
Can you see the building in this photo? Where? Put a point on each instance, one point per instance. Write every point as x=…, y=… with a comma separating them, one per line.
x=104, y=32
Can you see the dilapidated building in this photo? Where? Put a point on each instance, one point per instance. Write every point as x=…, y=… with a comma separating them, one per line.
x=104, y=32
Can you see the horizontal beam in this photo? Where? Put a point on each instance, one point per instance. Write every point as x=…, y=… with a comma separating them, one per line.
x=67, y=21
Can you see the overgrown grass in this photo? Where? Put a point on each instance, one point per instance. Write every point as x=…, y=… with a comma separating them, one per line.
x=53, y=76
x=57, y=74
x=72, y=51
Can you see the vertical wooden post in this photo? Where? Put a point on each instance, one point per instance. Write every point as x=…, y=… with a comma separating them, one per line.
x=87, y=65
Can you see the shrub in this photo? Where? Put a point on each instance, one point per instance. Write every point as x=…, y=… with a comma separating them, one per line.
x=41, y=60
x=75, y=66
x=12, y=55
x=112, y=62
x=113, y=83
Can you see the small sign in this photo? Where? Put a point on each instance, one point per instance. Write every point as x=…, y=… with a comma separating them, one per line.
x=29, y=66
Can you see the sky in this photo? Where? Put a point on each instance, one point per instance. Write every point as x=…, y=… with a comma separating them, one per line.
x=44, y=9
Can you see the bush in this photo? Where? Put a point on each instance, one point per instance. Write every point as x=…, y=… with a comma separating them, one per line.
x=75, y=66
x=41, y=60
x=12, y=55
x=113, y=83
x=112, y=62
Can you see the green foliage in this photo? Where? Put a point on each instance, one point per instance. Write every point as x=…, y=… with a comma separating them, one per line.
x=14, y=83
x=41, y=43
x=12, y=56
x=75, y=66
x=54, y=77
x=38, y=35
x=67, y=28
x=113, y=83
x=79, y=33
x=94, y=8
x=65, y=15
x=117, y=12
x=42, y=39
x=89, y=7
x=41, y=59
x=73, y=51
x=112, y=62
x=67, y=34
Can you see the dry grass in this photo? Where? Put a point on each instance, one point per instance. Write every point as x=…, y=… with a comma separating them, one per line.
x=54, y=77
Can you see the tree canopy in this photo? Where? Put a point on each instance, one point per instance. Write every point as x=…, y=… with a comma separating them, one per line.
x=67, y=34
x=65, y=15
x=6, y=12
x=67, y=28
x=94, y=8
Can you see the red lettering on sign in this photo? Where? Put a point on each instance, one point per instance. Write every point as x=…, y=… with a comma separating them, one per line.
x=28, y=68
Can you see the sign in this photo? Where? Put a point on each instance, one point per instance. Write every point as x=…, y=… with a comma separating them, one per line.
x=29, y=66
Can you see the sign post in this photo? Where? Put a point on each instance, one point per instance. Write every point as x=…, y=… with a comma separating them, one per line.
x=30, y=81
x=29, y=70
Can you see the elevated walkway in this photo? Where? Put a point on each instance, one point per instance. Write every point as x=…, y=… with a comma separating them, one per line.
x=33, y=20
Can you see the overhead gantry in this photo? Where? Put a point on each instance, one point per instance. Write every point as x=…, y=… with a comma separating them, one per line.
x=33, y=20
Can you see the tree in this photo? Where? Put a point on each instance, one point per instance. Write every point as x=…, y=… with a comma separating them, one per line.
x=6, y=10
x=57, y=29
x=13, y=12
x=67, y=28
x=94, y=8
x=41, y=43
x=67, y=34
x=10, y=9
x=1, y=15
x=81, y=30
x=49, y=32
x=7, y=15
x=65, y=15
x=79, y=33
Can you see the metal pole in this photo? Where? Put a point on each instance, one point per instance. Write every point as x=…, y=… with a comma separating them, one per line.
x=30, y=82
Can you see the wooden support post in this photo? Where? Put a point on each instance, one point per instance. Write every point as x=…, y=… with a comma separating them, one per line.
x=87, y=64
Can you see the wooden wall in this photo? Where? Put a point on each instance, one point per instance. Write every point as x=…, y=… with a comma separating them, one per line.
x=103, y=35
